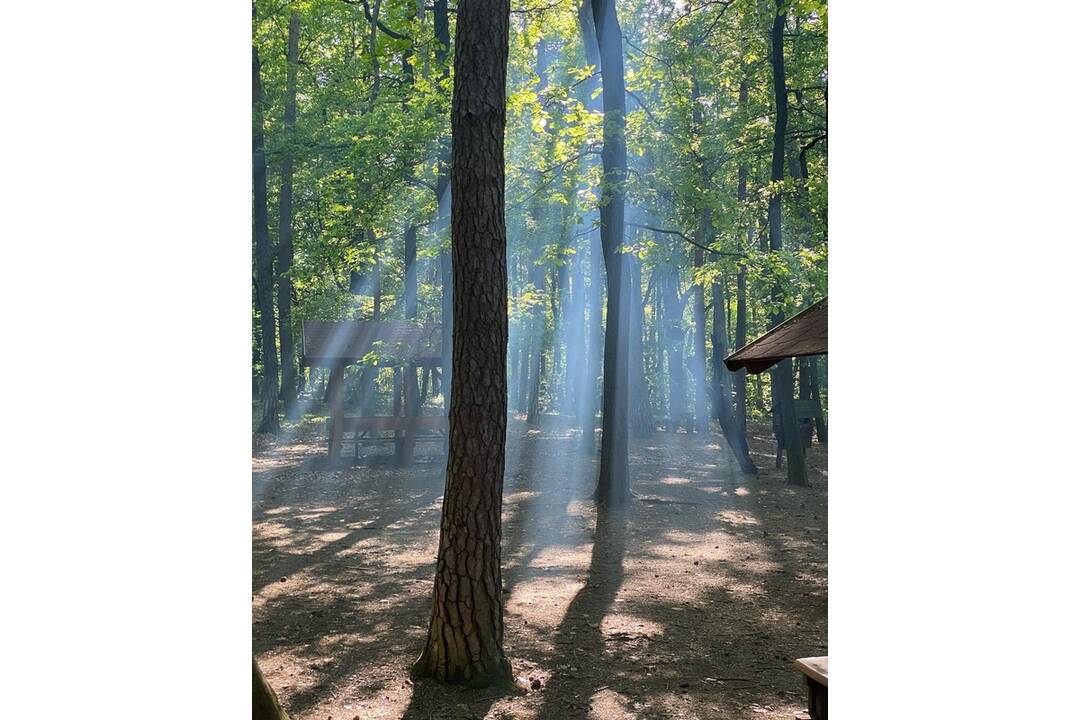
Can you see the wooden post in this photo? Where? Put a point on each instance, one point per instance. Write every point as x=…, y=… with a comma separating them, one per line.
x=337, y=409
x=405, y=455
x=397, y=410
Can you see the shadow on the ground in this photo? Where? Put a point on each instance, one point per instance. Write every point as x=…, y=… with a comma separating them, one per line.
x=692, y=603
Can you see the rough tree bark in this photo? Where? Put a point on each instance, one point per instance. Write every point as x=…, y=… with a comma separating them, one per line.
x=464, y=643
x=782, y=378
x=264, y=702
x=285, y=229
x=613, y=484
x=264, y=260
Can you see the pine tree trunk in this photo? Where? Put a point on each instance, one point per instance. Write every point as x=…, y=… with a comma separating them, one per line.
x=264, y=702
x=264, y=261
x=464, y=643
x=285, y=230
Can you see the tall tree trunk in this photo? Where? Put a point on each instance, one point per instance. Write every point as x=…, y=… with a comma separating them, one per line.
x=613, y=483
x=673, y=340
x=596, y=348
x=411, y=388
x=441, y=17
x=815, y=393
x=264, y=260
x=285, y=229
x=720, y=377
x=782, y=379
x=697, y=361
x=575, y=343
x=524, y=365
x=369, y=374
x=704, y=237
x=742, y=453
x=464, y=643
x=535, y=324
x=642, y=423
x=537, y=277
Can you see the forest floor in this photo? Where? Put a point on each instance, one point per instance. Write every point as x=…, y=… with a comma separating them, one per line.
x=693, y=609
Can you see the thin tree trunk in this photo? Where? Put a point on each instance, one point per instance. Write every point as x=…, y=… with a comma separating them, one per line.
x=441, y=18
x=596, y=348
x=587, y=29
x=411, y=387
x=465, y=636
x=720, y=375
x=697, y=361
x=535, y=324
x=742, y=452
x=782, y=388
x=285, y=229
x=641, y=417
x=613, y=483
x=264, y=261
x=815, y=393
x=673, y=340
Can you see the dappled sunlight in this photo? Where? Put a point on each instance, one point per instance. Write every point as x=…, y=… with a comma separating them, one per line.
x=675, y=481
x=711, y=589
x=736, y=517
x=606, y=703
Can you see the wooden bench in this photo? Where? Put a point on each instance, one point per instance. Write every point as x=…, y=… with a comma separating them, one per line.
x=816, y=671
x=362, y=427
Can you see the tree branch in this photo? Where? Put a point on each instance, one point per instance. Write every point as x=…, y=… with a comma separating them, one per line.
x=690, y=240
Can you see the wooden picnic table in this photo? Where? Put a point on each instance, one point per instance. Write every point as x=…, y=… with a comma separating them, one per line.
x=816, y=670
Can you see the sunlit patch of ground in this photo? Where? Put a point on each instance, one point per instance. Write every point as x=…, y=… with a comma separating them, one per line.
x=693, y=608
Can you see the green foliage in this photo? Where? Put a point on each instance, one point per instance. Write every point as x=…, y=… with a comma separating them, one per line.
x=373, y=122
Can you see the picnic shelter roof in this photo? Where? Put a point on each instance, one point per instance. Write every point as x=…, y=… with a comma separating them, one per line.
x=804, y=334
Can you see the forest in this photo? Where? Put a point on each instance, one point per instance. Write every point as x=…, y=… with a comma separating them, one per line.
x=512, y=242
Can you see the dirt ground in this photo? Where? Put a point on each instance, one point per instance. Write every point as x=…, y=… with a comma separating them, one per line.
x=692, y=609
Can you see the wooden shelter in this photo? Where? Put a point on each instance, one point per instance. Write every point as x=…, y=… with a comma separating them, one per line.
x=336, y=345
x=800, y=335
